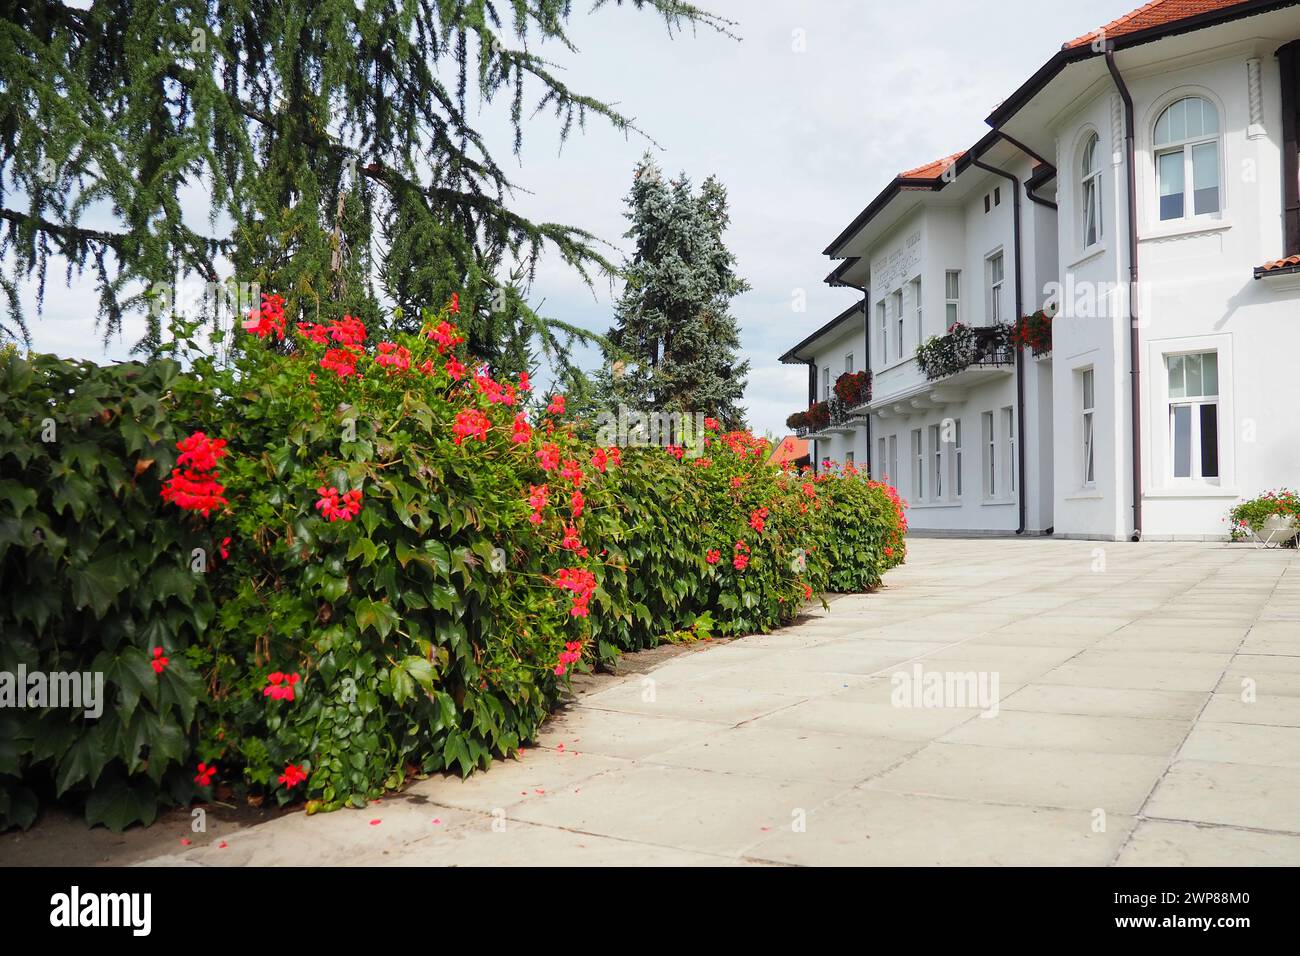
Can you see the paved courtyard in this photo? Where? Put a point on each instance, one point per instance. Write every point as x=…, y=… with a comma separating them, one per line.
x=1147, y=712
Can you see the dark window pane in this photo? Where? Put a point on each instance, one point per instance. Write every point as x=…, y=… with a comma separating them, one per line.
x=1171, y=207
x=1209, y=441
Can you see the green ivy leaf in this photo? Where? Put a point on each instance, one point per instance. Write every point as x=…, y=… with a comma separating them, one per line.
x=373, y=615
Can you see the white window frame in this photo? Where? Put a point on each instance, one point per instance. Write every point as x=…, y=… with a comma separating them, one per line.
x=1009, y=459
x=936, y=459
x=826, y=383
x=996, y=279
x=918, y=464
x=916, y=310
x=988, y=426
x=883, y=320
x=956, y=484
x=952, y=297
x=1161, y=458
x=1186, y=146
x=1088, y=426
x=1195, y=403
x=894, y=476
x=1090, y=193
x=848, y=363
x=898, y=321
x=880, y=467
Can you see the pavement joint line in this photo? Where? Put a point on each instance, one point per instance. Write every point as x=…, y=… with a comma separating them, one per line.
x=1141, y=812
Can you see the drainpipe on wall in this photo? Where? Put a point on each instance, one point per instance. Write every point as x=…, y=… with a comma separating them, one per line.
x=866, y=353
x=1021, y=504
x=1033, y=182
x=1135, y=359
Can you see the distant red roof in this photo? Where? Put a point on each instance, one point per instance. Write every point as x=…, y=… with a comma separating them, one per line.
x=932, y=170
x=788, y=448
x=1158, y=13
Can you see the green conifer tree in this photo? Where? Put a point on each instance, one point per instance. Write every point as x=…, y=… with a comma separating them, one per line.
x=331, y=139
x=675, y=342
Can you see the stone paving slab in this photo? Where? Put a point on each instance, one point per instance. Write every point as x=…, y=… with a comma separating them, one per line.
x=1147, y=714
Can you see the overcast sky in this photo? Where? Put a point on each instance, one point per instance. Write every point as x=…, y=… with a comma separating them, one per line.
x=805, y=119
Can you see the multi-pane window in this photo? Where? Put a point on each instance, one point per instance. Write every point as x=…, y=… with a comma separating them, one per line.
x=1009, y=429
x=880, y=472
x=918, y=465
x=1194, y=414
x=1089, y=409
x=893, y=459
x=995, y=288
x=848, y=458
x=1090, y=186
x=898, y=321
x=882, y=322
x=936, y=459
x=826, y=384
x=952, y=296
x=990, y=455
x=1187, y=153
x=916, y=310
x=848, y=363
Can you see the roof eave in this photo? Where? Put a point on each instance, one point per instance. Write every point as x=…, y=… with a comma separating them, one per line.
x=1067, y=55
x=1262, y=272
x=792, y=358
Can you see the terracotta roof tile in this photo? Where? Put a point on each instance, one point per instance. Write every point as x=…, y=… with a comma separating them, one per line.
x=1290, y=262
x=932, y=170
x=1158, y=13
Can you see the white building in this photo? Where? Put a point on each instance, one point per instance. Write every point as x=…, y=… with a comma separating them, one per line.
x=1144, y=184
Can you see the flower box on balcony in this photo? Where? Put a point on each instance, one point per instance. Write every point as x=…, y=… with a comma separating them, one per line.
x=963, y=347
x=853, y=388
x=1033, y=332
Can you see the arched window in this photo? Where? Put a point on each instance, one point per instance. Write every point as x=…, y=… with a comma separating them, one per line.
x=1187, y=153
x=1090, y=184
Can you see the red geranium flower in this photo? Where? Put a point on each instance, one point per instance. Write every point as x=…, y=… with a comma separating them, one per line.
x=292, y=776
x=204, y=777
x=280, y=686
x=159, y=662
x=470, y=423
x=549, y=456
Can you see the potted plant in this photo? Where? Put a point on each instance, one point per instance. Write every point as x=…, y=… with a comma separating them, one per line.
x=1033, y=332
x=1273, y=517
x=853, y=388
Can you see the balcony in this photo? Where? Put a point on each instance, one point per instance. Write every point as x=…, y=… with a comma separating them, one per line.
x=835, y=415
x=963, y=349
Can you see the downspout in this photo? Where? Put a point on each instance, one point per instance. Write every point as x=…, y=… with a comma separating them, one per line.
x=1021, y=504
x=1030, y=186
x=1135, y=360
x=866, y=352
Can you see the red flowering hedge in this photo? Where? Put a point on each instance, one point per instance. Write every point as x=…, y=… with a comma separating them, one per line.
x=331, y=566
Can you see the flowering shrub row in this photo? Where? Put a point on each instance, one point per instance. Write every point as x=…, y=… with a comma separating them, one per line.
x=336, y=564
